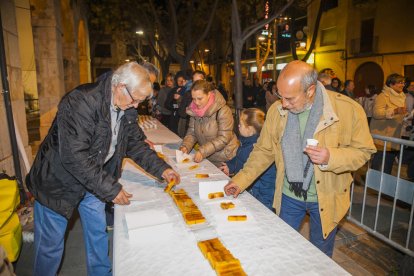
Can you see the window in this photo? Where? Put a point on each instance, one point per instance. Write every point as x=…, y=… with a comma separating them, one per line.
x=329, y=36
x=103, y=50
x=367, y=36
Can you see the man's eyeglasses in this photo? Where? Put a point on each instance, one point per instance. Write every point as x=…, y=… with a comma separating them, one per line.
x=289, y=100
x=134, y=101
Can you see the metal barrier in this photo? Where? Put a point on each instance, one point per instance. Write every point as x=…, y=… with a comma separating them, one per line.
x=392, y=223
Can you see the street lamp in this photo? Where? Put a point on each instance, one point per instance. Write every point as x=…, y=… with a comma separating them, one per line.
x=140, y=33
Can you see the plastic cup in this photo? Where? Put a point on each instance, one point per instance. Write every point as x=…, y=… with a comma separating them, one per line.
x=312, y=142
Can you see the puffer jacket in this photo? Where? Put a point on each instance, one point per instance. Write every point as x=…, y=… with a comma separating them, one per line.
x=342, y=129
x=213, y=132
x=384, y=122
x=263, y=189
x=70, y=160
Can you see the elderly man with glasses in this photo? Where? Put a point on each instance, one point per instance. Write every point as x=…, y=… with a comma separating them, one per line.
x=79, y=163
x=316, y=178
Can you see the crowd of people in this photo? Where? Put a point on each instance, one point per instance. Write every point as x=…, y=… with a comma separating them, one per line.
x=79, y=162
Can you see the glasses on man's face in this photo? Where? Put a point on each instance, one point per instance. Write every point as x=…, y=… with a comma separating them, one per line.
x=400, y=82
x=134, y=101
x=289, y=100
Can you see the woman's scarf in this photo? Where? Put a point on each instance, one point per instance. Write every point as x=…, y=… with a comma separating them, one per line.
x=396, y=98
x=199, y=112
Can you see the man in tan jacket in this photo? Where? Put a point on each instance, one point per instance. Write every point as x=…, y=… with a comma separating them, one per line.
x=313, y=179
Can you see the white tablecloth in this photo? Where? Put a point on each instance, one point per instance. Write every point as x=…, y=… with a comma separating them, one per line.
x=266, y=247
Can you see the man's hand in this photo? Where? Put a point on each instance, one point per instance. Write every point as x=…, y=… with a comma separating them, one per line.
x=224, y=168
x=232, y=189
x=122, y=198
x=198, y=157
x=183, y=149
x=318, y=155
x=150, y=144
x=170, y=174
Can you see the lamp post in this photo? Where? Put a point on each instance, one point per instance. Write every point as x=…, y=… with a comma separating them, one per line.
x=140, y=33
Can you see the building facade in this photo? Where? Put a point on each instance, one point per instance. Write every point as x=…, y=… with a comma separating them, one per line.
x=364, y=40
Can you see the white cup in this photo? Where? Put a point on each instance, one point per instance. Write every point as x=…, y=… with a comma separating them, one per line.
x=312, y=142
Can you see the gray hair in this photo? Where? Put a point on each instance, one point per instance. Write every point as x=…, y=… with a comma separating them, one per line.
x=325, y=79
x=134, y=76
x=309, y=78
x=151, y=68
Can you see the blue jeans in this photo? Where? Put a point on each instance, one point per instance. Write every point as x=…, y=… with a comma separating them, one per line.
x=293, y=212
x=50, y=228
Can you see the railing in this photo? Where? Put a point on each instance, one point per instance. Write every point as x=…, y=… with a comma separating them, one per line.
x=390, y=198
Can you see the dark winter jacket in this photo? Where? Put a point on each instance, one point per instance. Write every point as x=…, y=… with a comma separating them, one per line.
x=173, y=105
x=70, y=160
x=264, y=187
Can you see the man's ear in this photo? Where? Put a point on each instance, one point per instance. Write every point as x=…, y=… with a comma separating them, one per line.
x=311, y=91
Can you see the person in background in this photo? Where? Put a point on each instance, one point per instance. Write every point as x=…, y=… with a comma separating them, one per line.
x=336, y=84
x=368, y=100
x=326, y=80
x=261, y=96
x=153, y=101
x=162, y=97
x=409, y=95
x=388, y=115
x=408, y=128
x=248, y=94
x=349, y=87
x=174, y=99
x=271, y=94
x=251, y=123
x=312, y=179
x=222, y=89
x=211, y=125
x=186, y=101
x=79, y=163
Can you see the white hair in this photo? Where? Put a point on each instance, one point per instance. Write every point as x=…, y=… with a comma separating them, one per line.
x=135, y=77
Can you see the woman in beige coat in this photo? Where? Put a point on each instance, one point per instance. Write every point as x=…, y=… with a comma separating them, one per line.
x=388, y=114
x=211, y=125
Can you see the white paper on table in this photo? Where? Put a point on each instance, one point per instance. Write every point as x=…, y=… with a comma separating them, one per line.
x=180, y=156
x=207, y=187
x=148, y=226
x=146, y=218
x=158, y=148
x=140, y=194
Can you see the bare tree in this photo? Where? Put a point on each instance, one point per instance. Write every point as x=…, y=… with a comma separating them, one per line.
x=186, y=33
x=239, y=37
x=261, y=59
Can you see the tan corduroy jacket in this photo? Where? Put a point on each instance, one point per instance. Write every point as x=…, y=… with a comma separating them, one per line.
x=343, y=129
x=213, y=132
x=384, y=122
